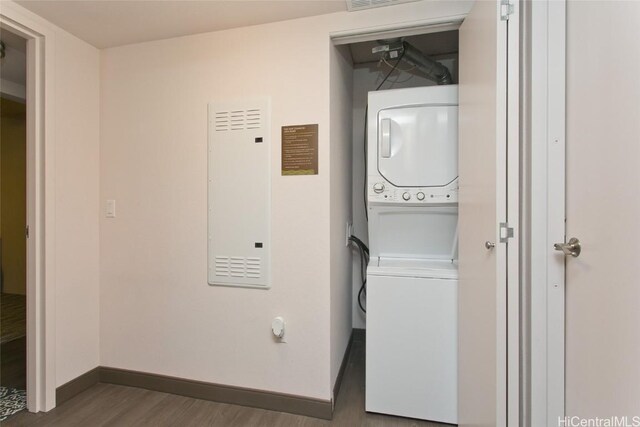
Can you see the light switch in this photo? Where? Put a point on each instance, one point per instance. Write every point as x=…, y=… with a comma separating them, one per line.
x=111, y=208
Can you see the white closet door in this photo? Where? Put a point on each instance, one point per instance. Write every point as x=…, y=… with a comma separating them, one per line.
x=482, y=305
x=602, y=211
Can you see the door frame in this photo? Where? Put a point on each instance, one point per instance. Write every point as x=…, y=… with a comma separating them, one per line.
x=40, y=38
x=512, y=215
x=546, y=200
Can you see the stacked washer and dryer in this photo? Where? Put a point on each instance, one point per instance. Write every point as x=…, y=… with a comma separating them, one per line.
x=412, y=277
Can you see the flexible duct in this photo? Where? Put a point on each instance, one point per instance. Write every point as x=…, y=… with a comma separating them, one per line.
x=432, y=70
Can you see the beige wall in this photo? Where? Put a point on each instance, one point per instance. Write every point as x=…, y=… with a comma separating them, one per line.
x=77, y=206
x=72, y=163
x=13, y=163
x=157, y=312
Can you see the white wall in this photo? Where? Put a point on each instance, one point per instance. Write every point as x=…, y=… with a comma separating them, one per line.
x=157, y=312
x=340, y=203
x=71, y=172
x=77, y=205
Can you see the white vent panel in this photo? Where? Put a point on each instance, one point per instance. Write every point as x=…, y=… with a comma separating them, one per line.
x=239, y=190
x=237, y=267
x=254, y=119
x=237, y=120
x=222, y=266
x=253, y=268
x=221, y=121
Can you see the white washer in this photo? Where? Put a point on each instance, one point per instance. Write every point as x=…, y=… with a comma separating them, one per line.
x=412, y=278
x=412, y=340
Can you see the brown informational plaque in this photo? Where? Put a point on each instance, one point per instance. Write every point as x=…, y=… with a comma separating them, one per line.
x=300, y=150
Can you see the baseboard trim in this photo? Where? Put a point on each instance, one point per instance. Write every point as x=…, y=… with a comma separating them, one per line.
x=345, y=361
x=273, y=401
x=220, y=393
x=77, y=385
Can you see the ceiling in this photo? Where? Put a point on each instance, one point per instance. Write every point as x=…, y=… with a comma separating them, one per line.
x=109, y=23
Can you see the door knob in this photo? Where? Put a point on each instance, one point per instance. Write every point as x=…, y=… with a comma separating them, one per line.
x=570, y=248
x=489, y=245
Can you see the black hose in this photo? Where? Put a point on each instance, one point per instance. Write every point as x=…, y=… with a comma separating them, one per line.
x=363, y=251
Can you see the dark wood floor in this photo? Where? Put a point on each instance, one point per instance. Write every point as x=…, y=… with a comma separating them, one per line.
x=112, y=405
x=13, y=364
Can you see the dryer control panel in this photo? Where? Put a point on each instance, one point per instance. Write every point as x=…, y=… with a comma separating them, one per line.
x=382, y=192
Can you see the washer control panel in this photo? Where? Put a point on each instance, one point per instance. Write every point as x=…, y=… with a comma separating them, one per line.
x=381, y=192
x=378, y=187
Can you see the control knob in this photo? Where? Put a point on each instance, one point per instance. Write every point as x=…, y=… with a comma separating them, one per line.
x=420, y=196
x=378, y=187
x=406, y=195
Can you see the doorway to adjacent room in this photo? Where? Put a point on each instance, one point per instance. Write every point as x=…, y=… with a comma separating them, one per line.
x=13, y=224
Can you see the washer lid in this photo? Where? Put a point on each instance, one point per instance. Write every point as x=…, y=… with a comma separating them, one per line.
x=406, y=267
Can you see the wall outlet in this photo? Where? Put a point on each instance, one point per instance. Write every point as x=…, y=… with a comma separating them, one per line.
x=349, y=232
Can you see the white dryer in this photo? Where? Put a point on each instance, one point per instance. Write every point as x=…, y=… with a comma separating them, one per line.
x=412, y=146
x=412, y=278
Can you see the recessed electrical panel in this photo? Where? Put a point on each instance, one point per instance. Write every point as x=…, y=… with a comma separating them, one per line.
x=239, y=193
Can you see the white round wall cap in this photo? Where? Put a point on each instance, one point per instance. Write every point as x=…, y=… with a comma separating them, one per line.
x=277, y=327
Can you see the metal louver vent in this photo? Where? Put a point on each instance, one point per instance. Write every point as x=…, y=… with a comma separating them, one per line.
x=253, y=268
x=238, y=267
x=221, y=121
x=238, y=120
x=353, y=5
x=222, y=266
x=254, y=119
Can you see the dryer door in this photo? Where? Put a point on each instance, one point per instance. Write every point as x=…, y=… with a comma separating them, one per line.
x=418, y=146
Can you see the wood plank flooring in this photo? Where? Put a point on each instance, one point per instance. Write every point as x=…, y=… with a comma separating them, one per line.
x=13, y=342
x=13, y=364
x=112, y=405
x=13, y=317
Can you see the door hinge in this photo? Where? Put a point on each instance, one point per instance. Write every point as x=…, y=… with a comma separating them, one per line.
x=506, y=9
x=506, y=232
x=27, y=231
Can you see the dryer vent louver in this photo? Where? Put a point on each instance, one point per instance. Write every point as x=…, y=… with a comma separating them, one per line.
x=354, y=5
